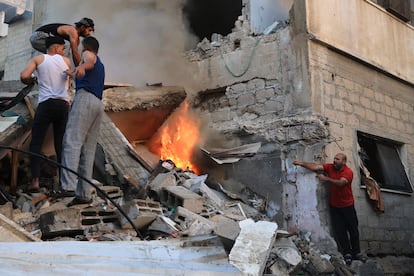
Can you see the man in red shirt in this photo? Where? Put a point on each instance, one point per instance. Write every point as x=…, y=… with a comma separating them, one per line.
x=341, y=201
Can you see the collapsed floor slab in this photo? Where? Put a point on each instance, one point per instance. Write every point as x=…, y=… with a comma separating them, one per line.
x=188, y=256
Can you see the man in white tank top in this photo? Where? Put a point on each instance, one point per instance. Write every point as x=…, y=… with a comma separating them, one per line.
x=53, y=100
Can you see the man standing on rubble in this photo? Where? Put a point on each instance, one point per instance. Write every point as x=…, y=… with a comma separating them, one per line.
x=83, y=28
x=82, y=130
x=341, y=200
x=53, y=100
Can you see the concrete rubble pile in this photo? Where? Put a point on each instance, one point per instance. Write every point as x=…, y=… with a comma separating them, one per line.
x=175, y=204
x=200, y=221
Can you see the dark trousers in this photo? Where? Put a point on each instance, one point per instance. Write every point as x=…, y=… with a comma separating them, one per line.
x=345, y=226
x=51, y=111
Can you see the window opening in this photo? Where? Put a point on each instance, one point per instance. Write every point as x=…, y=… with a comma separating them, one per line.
x=382, y=159
x=206, y=17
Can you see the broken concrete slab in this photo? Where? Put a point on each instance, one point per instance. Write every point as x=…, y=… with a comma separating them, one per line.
x=164, y=225
x=7, y=210
x=147, y=159
x=12, y=232
x=253, y=246
x=16, y=134
x=239, y=211
x=201, y=256
x=218, y=199
x=143, y=98
x=225, y=227
x=155, y=186
x=232, y=155
x=139, y=112
x=112, y=191
x=287, y=251
x=114, y=143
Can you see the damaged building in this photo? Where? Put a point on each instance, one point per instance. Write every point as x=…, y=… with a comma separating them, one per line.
x=255, y=86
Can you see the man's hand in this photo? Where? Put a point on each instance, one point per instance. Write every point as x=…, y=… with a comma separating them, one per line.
x=80, y=71
x=70, y=73
x=297, y=162
x=322, y=177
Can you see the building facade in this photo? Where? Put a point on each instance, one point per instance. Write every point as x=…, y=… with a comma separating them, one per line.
x=325, y=77
x=329, y=81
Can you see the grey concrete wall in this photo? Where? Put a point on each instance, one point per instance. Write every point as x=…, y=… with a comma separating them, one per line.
x=3, y=52
x=17, y=48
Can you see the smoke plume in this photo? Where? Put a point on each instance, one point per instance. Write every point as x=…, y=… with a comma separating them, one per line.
x=141, y=41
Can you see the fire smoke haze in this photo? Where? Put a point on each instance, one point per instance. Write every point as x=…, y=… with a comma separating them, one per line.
x=141, y=41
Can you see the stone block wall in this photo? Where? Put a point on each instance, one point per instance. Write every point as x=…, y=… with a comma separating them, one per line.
x=271, y=103
x=355, y=97
x=305, y=101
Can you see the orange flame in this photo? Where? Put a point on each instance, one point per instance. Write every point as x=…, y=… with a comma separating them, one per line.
x=177, y=138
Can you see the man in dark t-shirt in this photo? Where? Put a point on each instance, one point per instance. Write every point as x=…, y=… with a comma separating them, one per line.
x=341, y=201
x=83, y=28
x=82, y=129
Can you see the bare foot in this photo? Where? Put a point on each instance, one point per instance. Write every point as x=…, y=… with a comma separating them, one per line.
x=34, y=186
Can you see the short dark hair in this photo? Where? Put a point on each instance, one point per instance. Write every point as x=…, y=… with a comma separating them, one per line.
x=54, y=40
x=91, y=44
x=87, y=22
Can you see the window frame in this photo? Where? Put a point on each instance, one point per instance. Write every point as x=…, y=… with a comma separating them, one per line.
x=399, y=148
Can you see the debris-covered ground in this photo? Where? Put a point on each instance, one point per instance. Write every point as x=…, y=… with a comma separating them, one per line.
x=174, y=204
x=190, y=214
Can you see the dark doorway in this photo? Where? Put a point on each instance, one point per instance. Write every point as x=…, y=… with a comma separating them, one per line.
x=206, y=17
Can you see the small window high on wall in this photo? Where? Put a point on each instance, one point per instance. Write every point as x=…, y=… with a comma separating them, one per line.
x=382, y=159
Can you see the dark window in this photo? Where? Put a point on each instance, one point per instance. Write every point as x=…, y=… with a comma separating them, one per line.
x=206, y=17
x=399, y=8
x=382, y=159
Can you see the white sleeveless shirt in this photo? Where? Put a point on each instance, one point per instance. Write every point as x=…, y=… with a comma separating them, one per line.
x=53, y=82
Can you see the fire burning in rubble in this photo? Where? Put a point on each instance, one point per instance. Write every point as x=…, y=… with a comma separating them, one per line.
x=177, y=138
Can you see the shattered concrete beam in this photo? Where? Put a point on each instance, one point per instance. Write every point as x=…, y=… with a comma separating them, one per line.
x=253, y=245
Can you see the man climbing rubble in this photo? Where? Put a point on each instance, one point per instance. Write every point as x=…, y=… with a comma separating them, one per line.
x=83, y=28
x=82, y=129
x=344, y=218
x=53, y=107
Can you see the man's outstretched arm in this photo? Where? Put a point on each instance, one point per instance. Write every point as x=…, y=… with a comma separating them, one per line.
x=308, y=165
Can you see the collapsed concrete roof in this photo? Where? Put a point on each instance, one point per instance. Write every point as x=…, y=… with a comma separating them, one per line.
x=142, y=98
x=134, y=113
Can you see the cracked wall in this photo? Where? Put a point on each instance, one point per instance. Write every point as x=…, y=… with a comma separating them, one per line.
x=304, y=100
x=269, y=103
